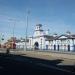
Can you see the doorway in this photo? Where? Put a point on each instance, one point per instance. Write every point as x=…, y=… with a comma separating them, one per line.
x=36, y=45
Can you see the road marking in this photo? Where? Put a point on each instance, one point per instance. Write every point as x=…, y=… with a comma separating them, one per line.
x=53, y=67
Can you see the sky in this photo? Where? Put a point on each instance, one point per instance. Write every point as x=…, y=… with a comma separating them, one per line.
x=56, y=15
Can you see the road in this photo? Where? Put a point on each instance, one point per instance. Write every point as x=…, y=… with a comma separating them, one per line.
x=23, y=65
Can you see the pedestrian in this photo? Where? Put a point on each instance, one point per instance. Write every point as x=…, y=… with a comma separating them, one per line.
x=8, y=49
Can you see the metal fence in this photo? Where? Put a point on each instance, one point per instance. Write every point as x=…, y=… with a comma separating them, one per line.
x=49, y=47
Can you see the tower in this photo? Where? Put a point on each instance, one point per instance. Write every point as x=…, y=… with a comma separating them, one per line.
x=38, y=30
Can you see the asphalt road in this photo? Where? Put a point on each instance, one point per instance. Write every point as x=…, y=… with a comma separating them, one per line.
x=23, y=65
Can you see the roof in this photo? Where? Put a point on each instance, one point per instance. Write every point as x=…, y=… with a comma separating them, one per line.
x=23, y=40
x=49, y=37
x=57, y=37
x=66, y=37
x=39, y=25
x=61, y=37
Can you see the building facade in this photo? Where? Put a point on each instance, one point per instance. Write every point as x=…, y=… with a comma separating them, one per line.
x=42, y=40
x=38, y=40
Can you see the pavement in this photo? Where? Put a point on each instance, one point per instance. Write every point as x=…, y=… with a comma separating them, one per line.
x=67, y=59
x=24, y=65
x=46, y=54
x=43, y=62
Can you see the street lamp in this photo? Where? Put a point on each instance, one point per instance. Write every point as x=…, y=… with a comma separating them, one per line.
x=13, y=30
x=41, y=43
x=27, y=19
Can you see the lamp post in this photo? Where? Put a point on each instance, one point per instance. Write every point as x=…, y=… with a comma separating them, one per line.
x=27, y=20
x=13, y=28
x=41, y=43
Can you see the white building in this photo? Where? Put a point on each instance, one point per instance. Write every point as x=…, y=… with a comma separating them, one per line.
x=22, y=43
x=38, y=40
x=62, y=42
x=42, y=40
